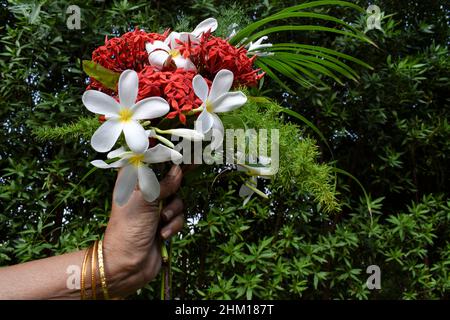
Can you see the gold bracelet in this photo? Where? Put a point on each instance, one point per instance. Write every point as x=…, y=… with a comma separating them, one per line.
x=101, y=268
x=83, y=274
x=94, y=271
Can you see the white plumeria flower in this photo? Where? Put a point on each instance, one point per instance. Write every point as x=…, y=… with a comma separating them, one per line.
x=218, y=99
x=250, y=185
x=254, y=47
x=162, y=54
x=135, y=170
x=124, y=115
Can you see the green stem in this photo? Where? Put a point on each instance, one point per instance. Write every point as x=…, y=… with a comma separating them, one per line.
x=170, y=263
x=162, y=283
x=195, y=111
x=167, y=281
x=164, y=253
x=165, y=270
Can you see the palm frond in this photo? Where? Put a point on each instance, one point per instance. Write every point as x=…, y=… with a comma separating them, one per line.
x=302, y=63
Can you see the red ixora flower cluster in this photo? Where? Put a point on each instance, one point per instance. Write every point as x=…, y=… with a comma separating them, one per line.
x=210, y=55
x=214, y=54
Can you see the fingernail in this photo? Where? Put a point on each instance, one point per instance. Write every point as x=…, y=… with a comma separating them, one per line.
x=166, y=233
x=174, y=170
x=167, y=214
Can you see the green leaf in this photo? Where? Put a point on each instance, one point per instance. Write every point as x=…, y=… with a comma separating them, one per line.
x=289, y=13
x=309, y=28
x=309, y=124
x=317, y=50
x=366, y=196
x=271, y=74
x=109, y=79
x=92, y=170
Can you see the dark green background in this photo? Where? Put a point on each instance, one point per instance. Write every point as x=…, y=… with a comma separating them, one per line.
x=391, y=130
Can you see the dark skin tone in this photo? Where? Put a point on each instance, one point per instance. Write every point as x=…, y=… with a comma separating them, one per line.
x=131, y=249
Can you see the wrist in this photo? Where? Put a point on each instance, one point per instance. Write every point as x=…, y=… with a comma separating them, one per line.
x=123, y=271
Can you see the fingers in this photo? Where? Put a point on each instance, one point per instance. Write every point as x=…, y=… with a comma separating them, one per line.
x=173, y=227
x=173, y=209
x=172, y=214
x=171, y=182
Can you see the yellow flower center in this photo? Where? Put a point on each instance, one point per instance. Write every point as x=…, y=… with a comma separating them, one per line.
x=136, y=160
x=125, y=115
x=174, y=53
x=209, y=106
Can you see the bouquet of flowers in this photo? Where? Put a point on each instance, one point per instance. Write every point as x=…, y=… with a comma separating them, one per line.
x=151, y=85
x=174, y=79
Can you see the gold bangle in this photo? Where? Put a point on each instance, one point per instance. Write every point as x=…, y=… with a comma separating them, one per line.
x=101, y=268
x=94, y=271
x=83, y=274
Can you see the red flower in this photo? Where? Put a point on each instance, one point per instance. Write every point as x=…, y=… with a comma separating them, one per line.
x=214, y=54
x=127, y=51
x=122, y=53
x=210, y=55
x=174, y=86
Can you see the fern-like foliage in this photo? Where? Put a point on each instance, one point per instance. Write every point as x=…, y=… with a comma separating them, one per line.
x=83, y=128
x=299, y=169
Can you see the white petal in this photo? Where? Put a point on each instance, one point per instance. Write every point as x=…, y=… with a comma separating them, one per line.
x=229, y=101
x=245, y=191
x=156, y=45
x=260, y=40
x=204, y=122
x=185, y=63
x=188, y=134
x=149, y=47
x=209, y=24
x=128, y=88
x=158, y=58
x=126, y=182
x=161, y=153
x=116, y=153
x=106, y=136
x=246, y=200
x=148, y=183
x=152, y=134
x=100, y=164
x=101, y=103
x=135, y=136
x=103, y=165
x=200, y=87
x=222, y=84
x=166, y=141
x=233, y=28
x=170, y=41
x=187, y=37
x=150, y=108
x=217, y=133
x=258, y=44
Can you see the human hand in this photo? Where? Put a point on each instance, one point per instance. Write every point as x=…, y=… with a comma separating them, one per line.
x=132, y=238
